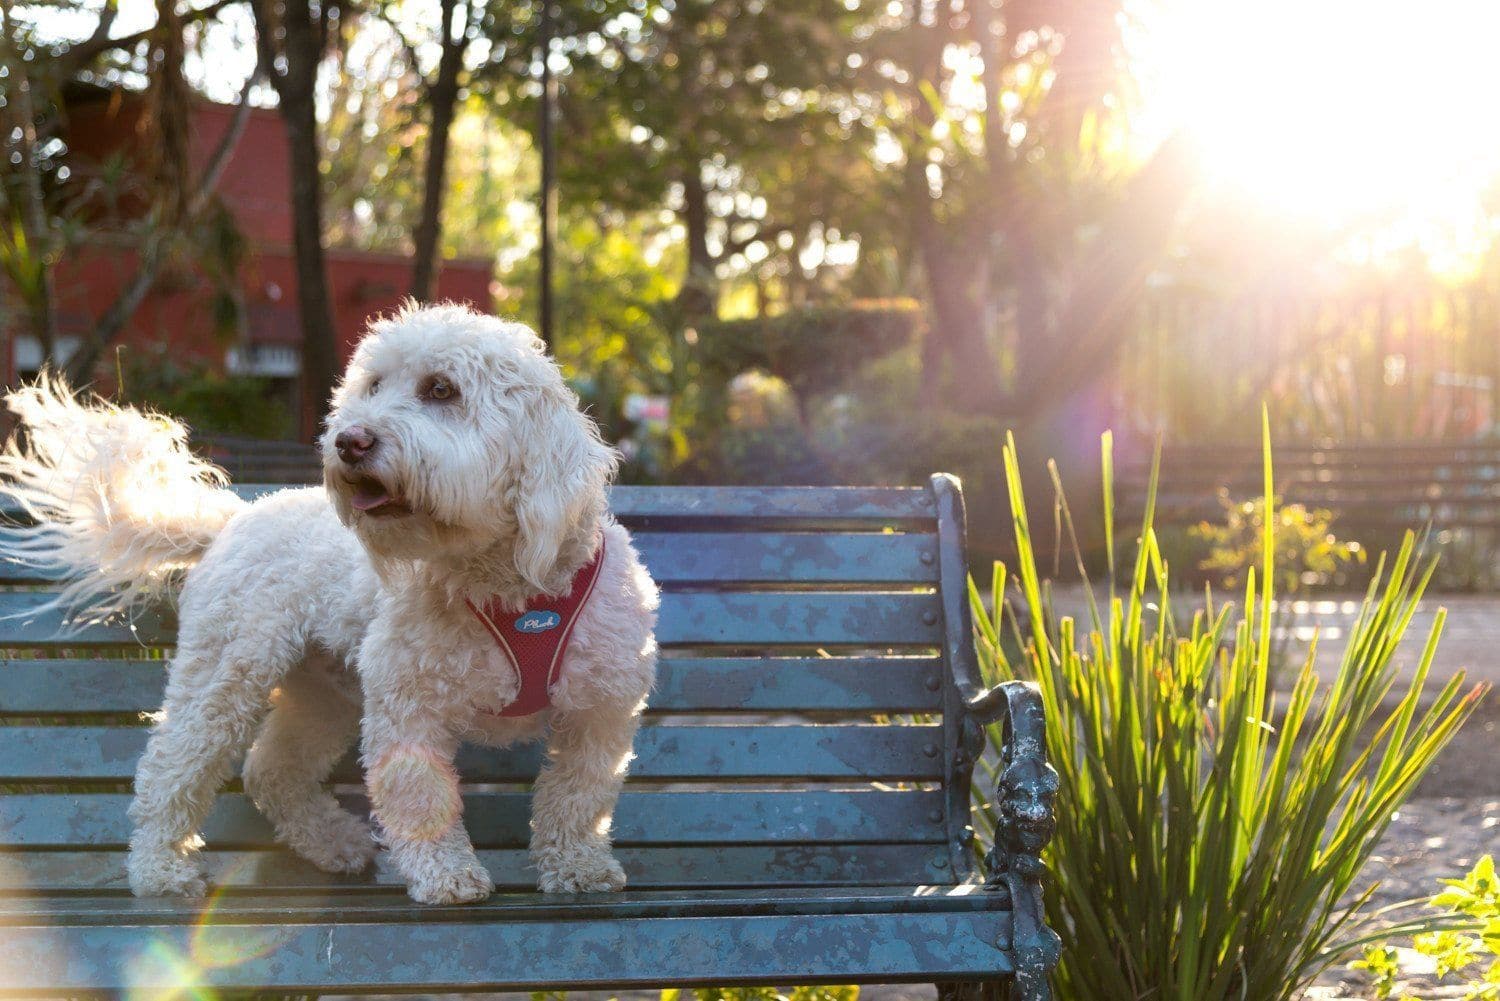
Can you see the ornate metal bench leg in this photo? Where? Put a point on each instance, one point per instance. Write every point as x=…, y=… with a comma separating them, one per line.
x=1031, y=985
x=1028, y=786
x=968, y=990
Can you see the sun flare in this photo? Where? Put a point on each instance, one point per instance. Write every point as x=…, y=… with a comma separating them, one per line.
x=1338, y=113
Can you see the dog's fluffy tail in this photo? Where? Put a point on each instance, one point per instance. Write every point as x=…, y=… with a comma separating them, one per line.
x=116, y=500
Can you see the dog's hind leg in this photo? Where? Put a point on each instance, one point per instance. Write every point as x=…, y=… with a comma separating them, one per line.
x=575, y=798
x=191, y=752
x=312, y=724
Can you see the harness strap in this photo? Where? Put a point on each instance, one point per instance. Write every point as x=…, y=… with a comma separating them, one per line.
x=536, y=640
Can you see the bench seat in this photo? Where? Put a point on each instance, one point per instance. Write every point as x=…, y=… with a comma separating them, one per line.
x=798, y=809
x=368, y=941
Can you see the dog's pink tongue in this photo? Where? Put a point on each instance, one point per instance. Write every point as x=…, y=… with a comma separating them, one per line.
x=367, y=498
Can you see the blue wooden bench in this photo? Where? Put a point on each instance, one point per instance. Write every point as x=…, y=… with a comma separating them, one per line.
x=798, y=812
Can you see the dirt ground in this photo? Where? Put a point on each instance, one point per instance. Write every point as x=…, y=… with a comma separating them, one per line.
x=1470, y=767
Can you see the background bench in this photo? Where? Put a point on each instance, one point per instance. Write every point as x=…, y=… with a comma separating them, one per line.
x=255, y=460
x=1377, y=491
x=798, y=810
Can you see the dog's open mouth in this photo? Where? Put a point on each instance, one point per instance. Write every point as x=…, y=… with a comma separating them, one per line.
x=374, y=498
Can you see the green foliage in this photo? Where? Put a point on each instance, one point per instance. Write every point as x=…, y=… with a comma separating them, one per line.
x=613, y=331
x=1209, y=830
x=1307, y=551
x=748, y=100
x=204, y=400
x=612, y=337
x=20, y=263
x=874, y=429
x=1469, y=946
x=1307, y=554
x=1380, y=962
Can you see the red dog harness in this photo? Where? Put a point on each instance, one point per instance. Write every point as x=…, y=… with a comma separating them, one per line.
x=536, y=640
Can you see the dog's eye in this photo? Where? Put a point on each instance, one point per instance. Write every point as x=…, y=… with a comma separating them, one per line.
x=374, y=387
x=439, y=390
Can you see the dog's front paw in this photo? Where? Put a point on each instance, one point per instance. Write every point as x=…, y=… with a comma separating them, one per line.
x=160, y=874
x=578, y=870
x=459, y=884
x=345, y=844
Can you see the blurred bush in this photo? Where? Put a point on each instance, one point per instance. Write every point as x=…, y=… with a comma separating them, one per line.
x=204, y=400
x=813, y=349
x=1465, y=950
x=1308, y=554
x=855, y=414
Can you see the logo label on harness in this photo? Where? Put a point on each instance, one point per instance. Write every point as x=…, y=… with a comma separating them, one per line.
x=538, y=622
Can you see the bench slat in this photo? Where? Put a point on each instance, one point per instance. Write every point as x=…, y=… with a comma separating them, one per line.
x=494, y=954
x=55, y=754
x=747, y=619
x=687, y=866
x=683, y=685
x=676, y=558
x=801, y=557
x=499, y=820
x=378, y=905
x=665, y=505
x=802, y=504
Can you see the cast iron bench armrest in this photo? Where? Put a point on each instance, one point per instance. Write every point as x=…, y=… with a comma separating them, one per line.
x=1028, y=784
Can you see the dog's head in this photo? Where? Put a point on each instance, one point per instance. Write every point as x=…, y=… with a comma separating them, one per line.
x=453, y=434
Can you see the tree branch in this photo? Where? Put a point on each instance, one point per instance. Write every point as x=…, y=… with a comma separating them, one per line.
x=766, y=234
x=77, y=56
x=214, y=169
x=106, y=21
x=153, y=254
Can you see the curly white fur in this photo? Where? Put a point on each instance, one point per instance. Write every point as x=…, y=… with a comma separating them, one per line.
x=498, y=490
x=116, y=498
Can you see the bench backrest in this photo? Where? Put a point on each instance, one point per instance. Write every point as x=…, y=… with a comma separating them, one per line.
x=804, y=729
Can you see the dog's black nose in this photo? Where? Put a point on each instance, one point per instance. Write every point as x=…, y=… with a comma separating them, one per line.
x=353, y=444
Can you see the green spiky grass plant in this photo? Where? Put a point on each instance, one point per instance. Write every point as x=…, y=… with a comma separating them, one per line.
x=1211, y=831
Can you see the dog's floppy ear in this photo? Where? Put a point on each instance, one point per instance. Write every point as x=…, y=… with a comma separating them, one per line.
x=561, y=492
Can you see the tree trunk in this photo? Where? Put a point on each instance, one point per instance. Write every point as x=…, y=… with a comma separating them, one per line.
x=698, y=298
x=1036, y=342
x=443, y=97
x=957, y=333
x=293, y=65
x=319, y=341
x=154, y=250
x=959, y=368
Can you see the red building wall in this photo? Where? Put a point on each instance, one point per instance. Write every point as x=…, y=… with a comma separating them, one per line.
x=254, y=186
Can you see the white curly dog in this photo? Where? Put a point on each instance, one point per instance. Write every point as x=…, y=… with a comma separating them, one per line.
x=459, y=474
